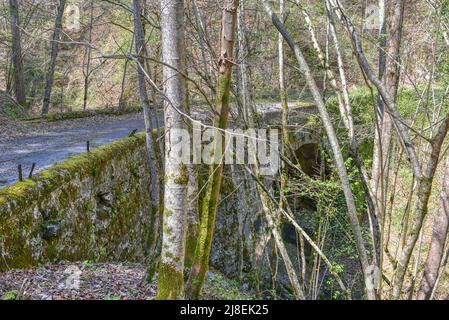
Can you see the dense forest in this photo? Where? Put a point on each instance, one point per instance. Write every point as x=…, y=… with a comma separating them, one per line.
x=224, y=149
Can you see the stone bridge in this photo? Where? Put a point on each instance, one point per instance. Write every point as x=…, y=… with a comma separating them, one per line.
x=302, y=119
x=96, y=207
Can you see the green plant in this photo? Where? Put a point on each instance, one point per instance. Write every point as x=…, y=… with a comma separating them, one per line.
x=11, y=295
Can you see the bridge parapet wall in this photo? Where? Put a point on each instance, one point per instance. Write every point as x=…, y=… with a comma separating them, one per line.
x=91, y=207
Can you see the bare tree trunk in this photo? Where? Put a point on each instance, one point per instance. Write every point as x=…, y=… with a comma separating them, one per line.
x=151, y=145
x=424, y=177
x=275, y=222
x=193, y=219
x=424, y=190
x=171, y=269
x=284, y=103
x=437, y=244
x=211, y=198
x=385, y=124
x=89, y=56
x=389, y=101
x=373, y=211
x=203, y=44
x=347, y=118
x=380, y=105
x=243, y=67
x=53, y=57
x=121, y=103
x=338, y=157
x=19, y=81
x=272, y=216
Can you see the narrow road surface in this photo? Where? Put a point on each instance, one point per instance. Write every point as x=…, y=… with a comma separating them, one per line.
x=50, y=143
x=54, y=146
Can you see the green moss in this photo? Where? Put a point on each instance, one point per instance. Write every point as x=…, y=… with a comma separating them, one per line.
x=168, y=213
x=168, y=231
x=11, y=295
x=53, y=117
x=28, y=207
x=191, y=242
x=52, y=178
x=170, y=283
x=306, y=104
x=183, y=177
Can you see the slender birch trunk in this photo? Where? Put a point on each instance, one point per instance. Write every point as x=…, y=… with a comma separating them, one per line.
x=344, y=103
x=19, y=81
x=273, y=225
x=275, y=221
x=53, y=58
x=211, y=199
x=171, y=269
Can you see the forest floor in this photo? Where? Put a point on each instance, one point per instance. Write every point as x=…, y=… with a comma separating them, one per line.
x=99, y=281
x=47, y=143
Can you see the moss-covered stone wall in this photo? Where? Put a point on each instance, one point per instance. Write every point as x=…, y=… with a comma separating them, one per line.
x=92, y=207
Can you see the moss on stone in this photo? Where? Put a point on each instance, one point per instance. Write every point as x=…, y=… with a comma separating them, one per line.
x=52, y=178
x=18, y=192
x=68, y=192
x=53, y=117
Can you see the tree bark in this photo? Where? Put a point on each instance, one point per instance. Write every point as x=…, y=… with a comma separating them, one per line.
x=151, y=145
x=211, y=198
x=380, y=111
x=245, y=81
x=284, y=103
x=437, y=244
x=171, y=269
x=384, y=127
x=202, y=37
x=53, y=58
x=19, y=81
x=121, y=101
x=89, y=56
x=424, y=190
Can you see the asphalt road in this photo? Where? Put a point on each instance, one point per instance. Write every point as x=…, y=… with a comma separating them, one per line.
x=56, y=145
x=53, y=147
